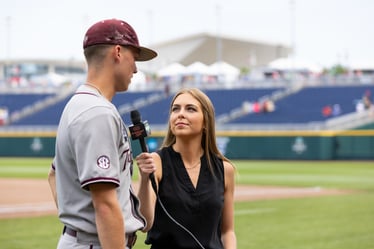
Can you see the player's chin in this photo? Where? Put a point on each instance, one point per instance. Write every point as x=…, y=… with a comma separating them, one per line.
x=124, y=87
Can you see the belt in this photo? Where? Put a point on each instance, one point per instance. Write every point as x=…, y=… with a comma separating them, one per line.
x=131, y=238
x=69, y=231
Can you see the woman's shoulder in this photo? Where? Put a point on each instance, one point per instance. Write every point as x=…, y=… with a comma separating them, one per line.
x=228, y=167
x=229, y=171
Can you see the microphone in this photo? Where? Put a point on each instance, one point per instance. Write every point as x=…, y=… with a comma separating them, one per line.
x=139, y=130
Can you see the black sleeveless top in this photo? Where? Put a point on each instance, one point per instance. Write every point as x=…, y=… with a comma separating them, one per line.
x=199, y=210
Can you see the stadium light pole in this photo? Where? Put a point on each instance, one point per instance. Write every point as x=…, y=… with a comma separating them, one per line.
x=150, y=23
x=292, y=39
x=150, y=64
x=8, y=37
x=218, y=35
x=218, y=41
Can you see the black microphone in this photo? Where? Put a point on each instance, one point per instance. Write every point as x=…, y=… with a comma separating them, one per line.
x=139, y=130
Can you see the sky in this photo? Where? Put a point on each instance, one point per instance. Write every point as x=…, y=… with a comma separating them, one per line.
x=325, y=32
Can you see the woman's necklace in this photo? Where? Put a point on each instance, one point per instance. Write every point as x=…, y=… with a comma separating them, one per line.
x=194, y=166
x=88, y=84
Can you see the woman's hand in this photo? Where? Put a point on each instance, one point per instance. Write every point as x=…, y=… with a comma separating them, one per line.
x=145, y=164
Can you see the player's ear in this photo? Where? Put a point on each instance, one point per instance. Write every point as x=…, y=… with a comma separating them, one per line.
x=116, y=52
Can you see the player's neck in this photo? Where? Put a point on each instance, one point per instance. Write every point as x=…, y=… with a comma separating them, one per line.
x=93, y=86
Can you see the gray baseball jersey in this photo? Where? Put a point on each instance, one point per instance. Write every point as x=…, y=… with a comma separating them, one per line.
x=92, y=146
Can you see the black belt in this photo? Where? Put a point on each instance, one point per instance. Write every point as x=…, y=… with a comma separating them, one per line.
x=69, y=231
x=131, y=238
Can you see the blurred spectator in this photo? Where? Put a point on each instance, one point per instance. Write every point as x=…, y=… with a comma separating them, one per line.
x=326, y=111
x=247, y=107
x=4, y=114
x=268, y=106
x=360, y=107
x=256, y=107
x=366, y=99
x=167, y=89
x=336, y=110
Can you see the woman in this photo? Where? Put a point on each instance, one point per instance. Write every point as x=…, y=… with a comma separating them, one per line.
x=195, y=181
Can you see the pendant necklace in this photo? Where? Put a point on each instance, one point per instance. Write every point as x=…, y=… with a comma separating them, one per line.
x=194, y=166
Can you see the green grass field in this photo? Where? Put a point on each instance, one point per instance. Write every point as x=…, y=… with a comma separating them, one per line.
x=326, y=222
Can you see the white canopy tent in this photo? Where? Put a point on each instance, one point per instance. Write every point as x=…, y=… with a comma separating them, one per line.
x=197, y=68
x=138, y=82
x=362, y=65
x=50, y=79
x=293, y=64
x=173, y=69
x=224, y=71
x=197, y=73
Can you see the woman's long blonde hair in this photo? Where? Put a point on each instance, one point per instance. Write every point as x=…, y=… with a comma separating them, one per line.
x=208, y=140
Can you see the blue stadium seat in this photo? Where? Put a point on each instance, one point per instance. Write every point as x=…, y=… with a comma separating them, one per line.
x=302, y=107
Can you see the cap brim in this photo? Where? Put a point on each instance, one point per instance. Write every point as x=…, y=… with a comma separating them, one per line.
x=146, y=54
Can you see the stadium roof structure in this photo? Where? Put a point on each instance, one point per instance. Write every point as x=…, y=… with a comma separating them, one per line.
x=208, y=49
x=205, y=48
x=290, y=64
x=34, y=67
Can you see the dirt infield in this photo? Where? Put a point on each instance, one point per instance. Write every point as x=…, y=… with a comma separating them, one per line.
x=29, y=197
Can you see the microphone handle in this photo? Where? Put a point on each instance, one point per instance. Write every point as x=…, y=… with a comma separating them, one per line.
x=142, y=144
x=151, y=175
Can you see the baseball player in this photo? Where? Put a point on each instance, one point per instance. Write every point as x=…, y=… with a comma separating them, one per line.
x=91, y=173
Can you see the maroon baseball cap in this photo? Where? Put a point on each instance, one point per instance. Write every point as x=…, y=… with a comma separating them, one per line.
x=116, y=32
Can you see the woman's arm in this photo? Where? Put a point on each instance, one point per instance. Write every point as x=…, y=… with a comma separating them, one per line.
x=148, y=163
x=228, y=232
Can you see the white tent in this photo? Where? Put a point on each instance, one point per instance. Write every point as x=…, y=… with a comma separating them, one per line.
x=290, y=64
x=174, y=69
x=224, y=71
x=52, y=79
x=138, y=82
x=197, y=68
x=223, y=68
x=362, y=65
x=197, y=73
x=138, y=78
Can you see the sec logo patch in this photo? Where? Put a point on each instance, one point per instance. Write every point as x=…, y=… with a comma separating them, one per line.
x=103, y=162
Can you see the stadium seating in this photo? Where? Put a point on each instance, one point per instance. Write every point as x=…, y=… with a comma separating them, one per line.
x=226, y=100
x=48, y=116
x=307, y=104
x=14, y=102
x=51, y=115
x=301, y=107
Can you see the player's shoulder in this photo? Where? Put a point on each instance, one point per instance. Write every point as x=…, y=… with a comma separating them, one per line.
x=88, y=100
x=84, y=108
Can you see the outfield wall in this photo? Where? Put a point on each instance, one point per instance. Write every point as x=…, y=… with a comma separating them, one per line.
x=267, y=145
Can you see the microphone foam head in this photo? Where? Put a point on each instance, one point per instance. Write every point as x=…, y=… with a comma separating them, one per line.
x=135, y=117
